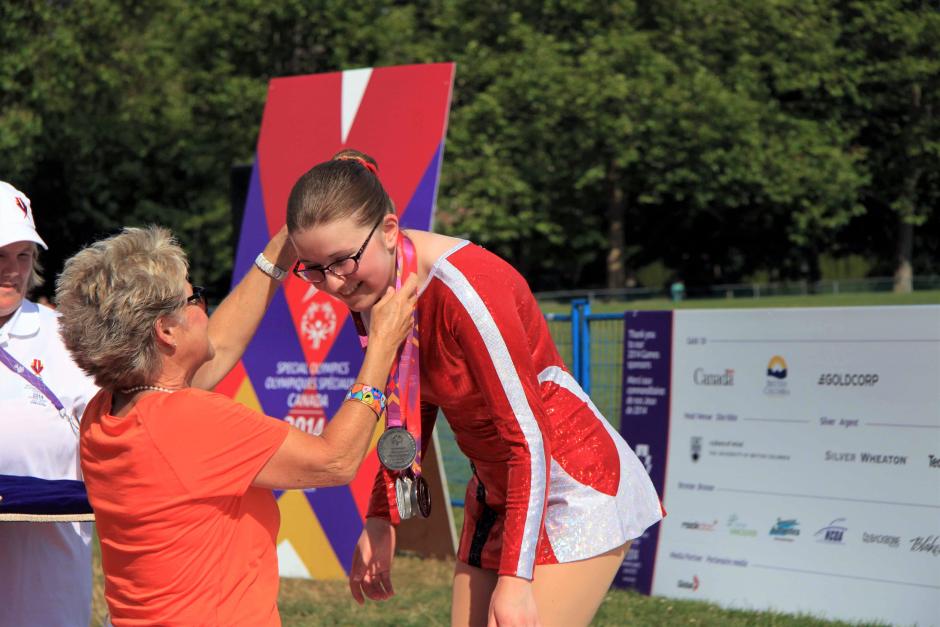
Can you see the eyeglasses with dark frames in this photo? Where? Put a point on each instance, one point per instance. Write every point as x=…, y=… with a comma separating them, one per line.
x=340, y=267
x=199, y=298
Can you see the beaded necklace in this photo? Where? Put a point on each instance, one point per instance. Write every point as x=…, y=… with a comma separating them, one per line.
x=140, y=388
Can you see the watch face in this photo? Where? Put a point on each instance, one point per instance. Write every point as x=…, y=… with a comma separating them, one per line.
x=266, y=266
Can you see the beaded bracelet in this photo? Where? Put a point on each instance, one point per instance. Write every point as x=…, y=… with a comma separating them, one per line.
x=371, y=397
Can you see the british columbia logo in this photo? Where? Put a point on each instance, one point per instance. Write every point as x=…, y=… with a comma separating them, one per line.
x=776, y=377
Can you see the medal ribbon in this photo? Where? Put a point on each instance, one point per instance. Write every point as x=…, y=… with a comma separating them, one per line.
x=403, y=393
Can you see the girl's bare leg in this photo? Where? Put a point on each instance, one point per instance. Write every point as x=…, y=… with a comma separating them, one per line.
x=470, y=603
x=567, y=595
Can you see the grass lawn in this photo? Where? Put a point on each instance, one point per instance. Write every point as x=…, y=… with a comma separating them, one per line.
x=423, y=600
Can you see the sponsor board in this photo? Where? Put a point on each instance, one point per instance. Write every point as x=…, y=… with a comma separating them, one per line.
x=827, y=469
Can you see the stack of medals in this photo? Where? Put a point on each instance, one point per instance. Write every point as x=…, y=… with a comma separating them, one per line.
x=399, y=447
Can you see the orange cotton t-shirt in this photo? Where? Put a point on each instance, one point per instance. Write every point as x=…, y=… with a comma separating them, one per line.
x=185, y=538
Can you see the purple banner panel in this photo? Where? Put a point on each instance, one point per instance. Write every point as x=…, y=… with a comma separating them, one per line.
x=644, y=424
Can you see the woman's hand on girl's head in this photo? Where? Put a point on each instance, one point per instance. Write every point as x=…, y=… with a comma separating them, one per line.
x=392, y=318
x=280, y=250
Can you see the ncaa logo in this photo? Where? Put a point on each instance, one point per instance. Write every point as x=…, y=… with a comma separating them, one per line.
x=832, y=533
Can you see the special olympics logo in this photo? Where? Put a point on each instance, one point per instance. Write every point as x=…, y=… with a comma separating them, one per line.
x=318, y=323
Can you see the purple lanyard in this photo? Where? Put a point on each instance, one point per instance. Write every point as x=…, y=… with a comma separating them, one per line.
x=10, y=362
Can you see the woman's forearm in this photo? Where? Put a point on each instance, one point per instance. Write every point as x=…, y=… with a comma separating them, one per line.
x=332, y=458
x=345, y=434
x=237, y=317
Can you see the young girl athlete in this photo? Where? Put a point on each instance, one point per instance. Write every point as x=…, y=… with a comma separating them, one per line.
x=556, y=494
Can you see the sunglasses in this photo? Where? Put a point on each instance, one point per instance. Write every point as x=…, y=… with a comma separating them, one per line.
x=199, y=298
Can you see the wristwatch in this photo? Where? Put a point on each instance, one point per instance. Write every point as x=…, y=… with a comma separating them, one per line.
x=265, y=265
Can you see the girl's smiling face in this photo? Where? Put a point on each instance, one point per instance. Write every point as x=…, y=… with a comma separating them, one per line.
x=341, y=243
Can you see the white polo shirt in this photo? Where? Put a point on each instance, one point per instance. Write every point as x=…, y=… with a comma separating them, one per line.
x=45, y=568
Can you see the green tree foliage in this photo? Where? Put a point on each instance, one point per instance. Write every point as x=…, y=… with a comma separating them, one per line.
x=587, y=139
x=106, y=114
x=893, y=51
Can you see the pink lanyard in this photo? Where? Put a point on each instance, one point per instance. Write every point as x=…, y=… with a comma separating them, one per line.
x=403, y=392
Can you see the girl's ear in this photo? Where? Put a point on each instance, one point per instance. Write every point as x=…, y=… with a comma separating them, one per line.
x=390, y=227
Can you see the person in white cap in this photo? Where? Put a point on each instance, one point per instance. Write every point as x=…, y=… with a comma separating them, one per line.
x=45, y=567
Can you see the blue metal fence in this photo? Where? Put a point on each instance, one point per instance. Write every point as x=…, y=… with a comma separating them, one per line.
x=591, y=346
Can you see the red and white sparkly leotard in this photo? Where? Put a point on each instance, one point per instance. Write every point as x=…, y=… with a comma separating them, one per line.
x=553, y=482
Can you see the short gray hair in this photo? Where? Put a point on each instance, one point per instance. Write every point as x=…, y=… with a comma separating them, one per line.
x=111, y=294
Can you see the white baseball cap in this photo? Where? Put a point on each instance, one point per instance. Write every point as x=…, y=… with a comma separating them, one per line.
x=16, y=217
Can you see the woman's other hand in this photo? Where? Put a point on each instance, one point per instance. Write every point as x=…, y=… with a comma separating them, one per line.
x=513, y=604
x=371, y=572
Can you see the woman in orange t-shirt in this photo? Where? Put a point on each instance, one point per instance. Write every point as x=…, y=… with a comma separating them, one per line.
x=180, y=478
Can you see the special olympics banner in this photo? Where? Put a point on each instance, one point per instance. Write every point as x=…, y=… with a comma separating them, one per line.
x=802, y=457
x=306, y=354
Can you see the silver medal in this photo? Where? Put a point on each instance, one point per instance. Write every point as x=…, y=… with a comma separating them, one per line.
x=397, y=449
x=404, y=488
